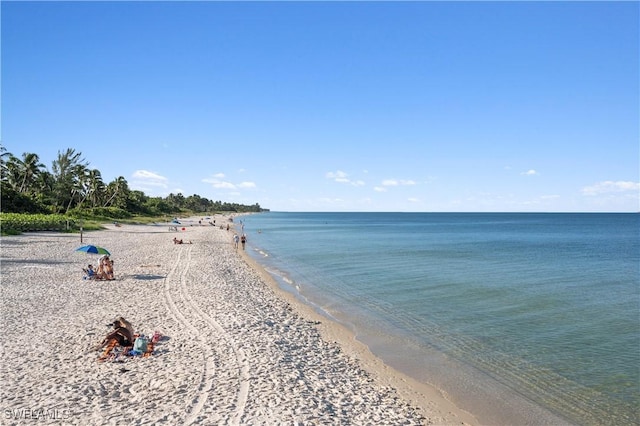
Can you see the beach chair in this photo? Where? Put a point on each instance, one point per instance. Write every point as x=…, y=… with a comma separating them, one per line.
x=89, y=274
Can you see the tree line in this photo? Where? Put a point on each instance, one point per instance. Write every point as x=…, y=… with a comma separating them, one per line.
x=71, y=187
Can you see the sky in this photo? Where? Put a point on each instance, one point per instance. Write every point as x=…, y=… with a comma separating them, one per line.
x=335, y=106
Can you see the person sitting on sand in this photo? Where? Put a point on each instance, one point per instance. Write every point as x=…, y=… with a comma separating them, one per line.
x=105, y=269
x=89, y=273
x=126, y=324
x=100, y=271
x=109, y=269
x=120, y=334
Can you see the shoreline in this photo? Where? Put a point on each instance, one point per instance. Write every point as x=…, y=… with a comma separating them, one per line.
x=237, y=348
x=422, y=395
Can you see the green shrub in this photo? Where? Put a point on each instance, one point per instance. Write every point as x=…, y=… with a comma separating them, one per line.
x=15, y=223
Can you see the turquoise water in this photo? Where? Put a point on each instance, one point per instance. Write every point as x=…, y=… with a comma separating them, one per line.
x=522, y=317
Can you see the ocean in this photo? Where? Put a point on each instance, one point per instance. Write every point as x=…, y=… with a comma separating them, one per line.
x=520, y=318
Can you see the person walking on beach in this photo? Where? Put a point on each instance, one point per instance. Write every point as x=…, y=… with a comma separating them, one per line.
x=236, y=239
x=243, y=240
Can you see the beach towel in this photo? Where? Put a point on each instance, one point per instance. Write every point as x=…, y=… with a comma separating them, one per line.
x=115, y=353
x=108, y=352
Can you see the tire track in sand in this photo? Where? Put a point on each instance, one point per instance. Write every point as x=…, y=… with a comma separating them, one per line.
x=208, y=368
x=239, y=356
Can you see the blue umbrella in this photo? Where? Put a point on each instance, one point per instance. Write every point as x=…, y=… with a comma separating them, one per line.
x=94, y=250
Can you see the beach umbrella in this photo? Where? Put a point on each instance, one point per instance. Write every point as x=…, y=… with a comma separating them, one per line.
x=93, y=249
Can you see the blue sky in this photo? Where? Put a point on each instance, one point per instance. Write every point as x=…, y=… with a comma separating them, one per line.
x=335, y=106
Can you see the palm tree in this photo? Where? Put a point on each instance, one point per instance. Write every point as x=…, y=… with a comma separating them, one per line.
x=30, y=168
x=95, y=187
x=89, y=185
x=3, y=163
x=22, y=175
x=44, y=185
x=11, y=172
x=78, y=189
x=64, y=170
x=117, y=193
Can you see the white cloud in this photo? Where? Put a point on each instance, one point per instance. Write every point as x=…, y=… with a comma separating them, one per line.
x=145, y=179
x=413, y=200
x=398, y=182
x=610, y=187
x=530, y=172
x=336, y=175
x=223, y=185
x=379, y=189
x=145, y=174
x=217, y=182
x=151, y=183
x=341, y=177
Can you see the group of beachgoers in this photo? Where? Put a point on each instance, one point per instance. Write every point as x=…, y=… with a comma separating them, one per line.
x=242, y=240
x=104, y=271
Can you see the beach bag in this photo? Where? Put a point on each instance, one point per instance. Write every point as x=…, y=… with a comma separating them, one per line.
x=140, y=345
x=156, y=336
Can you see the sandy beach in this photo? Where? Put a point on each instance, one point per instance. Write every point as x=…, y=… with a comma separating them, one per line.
x=235, y=349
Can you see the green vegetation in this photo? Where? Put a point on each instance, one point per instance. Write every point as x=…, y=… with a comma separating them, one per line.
x=73, y=195
x=16, y=222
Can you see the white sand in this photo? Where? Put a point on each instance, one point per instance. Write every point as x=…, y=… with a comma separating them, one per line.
x=237, y=351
